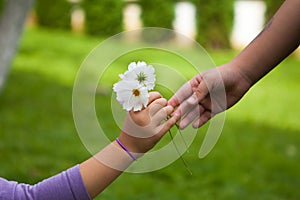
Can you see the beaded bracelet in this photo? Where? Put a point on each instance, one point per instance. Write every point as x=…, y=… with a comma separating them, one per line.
x=125, y=149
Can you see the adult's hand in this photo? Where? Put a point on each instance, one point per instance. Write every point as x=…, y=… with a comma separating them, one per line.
x=207, y=94
x=201, y=98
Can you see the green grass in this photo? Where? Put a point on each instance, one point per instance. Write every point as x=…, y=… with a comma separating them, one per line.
x=257, y=155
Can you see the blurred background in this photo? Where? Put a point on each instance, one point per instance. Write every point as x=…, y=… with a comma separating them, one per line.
x=42, y=45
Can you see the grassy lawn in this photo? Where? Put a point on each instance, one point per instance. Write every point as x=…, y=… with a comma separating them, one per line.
x=257, y=155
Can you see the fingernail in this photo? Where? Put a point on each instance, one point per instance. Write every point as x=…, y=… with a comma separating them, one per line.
x=192, y=100
x=197, y=125
x=182, y=126
x=170, y=108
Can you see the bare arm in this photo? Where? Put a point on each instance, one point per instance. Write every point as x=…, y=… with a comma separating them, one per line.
x=97, y=176
x=279, y=38
x=141, y=131
x=102, y=169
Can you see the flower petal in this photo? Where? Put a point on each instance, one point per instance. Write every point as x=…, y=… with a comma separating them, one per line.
x=147, y=71
x=127, y=96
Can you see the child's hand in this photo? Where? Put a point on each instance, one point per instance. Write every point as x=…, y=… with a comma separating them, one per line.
x=143, y=129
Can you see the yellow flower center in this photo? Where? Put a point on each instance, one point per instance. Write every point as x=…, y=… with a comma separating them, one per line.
x=136, y=92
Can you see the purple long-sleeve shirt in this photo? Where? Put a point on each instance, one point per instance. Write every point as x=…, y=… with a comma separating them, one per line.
x=67, y=185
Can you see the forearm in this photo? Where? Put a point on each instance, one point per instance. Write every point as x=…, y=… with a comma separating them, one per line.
x=278, y=39
x=148, y=127
x=102, y=169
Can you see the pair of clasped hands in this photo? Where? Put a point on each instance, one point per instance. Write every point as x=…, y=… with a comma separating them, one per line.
x=218, y=89
x=190, y=104
x=201, y=98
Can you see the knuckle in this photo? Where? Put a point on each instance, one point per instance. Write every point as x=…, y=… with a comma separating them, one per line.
x=168, y=109
x=161, y=101
x=164, y=101
x=155, y=94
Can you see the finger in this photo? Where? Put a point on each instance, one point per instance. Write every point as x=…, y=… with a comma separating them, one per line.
x=153, y=96
x=184, y=92
x=206, y=103
x=157, y=105
x=163, y=128
x=199, y=94
x=207, y=115
x=184, y=108
x=200, y=91
x=162, y=115
x=191, y=116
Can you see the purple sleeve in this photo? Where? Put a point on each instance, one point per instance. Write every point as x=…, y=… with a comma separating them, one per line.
x=67, y=185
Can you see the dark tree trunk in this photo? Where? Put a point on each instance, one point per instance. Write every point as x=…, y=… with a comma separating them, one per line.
x=11, y=26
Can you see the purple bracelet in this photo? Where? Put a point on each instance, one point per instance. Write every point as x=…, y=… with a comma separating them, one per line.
x=125, y=149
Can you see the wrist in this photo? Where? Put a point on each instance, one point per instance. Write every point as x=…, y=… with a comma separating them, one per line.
x=130, y=143
x=241, y=74
x=236, y=84
x=126, y=150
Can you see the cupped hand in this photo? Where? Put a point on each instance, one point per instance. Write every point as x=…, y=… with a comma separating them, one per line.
x=143, y=129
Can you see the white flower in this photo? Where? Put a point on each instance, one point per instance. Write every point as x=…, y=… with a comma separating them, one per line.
x=132, y=89
x=131, y=94
x=143, y=73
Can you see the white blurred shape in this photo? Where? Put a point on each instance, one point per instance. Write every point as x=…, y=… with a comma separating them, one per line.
x=185, y=19
x=132, y=18
x=77, y=19
x=248, y=22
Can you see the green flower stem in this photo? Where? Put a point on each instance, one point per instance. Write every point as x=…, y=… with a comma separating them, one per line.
x=186, y=146
x=181, y=157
